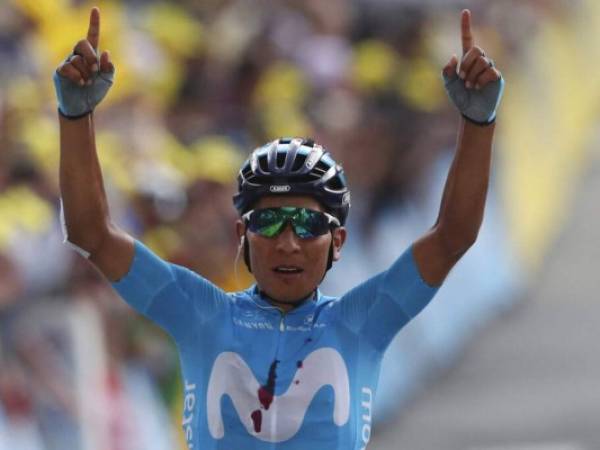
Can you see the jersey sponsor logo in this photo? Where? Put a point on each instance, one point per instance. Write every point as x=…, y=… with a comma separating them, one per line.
x=250, y=314
x=284, y=415
x=189, y=402
x=366, y=405
x=278, y=188
x=253, y=325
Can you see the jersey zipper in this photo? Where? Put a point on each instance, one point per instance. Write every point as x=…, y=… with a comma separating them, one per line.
x=282, y=323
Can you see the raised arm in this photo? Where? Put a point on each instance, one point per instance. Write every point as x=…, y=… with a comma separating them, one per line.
x=81, y=82
x=475, y=90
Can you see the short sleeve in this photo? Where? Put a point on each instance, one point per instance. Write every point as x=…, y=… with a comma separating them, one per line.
x=382, y=305
x=170, y=295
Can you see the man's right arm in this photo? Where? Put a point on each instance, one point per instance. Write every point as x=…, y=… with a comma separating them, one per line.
x=174, y=297
x=165, y=293
x=81, y=83
x=86, y=215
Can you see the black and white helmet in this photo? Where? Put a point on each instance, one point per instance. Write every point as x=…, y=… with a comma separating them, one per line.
x=293, y=166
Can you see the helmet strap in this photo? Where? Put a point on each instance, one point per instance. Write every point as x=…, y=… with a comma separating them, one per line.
x=329, y=259
x=247, y=253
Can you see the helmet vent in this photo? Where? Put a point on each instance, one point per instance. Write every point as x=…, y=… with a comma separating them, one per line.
x=320, y=169
x=280, y=159
x=335, y=184
x=247, y=172
x=299, y=162
x=263, y=164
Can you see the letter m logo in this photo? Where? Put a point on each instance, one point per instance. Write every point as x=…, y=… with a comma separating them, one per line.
x=231, y=376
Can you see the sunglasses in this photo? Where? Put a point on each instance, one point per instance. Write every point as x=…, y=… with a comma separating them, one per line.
x=306, y=223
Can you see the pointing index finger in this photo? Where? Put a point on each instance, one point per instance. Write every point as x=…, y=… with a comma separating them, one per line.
x=465, y=31
x=93, y=35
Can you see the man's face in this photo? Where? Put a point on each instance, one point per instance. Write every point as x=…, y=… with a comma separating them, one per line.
x=288, y=250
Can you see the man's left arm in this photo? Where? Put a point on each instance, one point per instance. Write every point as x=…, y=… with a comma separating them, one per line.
x=475, y=90
x=381, y=306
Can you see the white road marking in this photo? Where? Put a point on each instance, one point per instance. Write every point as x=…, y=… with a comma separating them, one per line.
x=533, y=446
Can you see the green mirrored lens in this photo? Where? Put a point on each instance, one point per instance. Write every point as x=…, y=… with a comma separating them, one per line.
x=271, y=230
x=267, y=222
x=306, y=223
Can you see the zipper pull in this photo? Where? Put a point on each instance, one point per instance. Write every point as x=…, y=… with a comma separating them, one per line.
x=281, y=325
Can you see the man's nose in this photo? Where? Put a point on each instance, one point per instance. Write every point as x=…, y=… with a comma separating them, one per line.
x=287, y=240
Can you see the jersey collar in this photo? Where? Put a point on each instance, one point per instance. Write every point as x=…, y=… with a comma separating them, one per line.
x=306, y=305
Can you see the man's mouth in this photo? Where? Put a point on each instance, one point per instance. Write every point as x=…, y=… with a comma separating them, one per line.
x=288, y=270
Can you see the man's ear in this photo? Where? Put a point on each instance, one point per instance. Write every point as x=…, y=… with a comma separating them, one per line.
x=339, y=237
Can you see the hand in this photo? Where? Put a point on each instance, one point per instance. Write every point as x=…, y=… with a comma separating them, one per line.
x=475, y=90
x=83, y=79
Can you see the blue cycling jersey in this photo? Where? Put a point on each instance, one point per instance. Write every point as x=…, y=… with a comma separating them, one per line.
x=256, y=378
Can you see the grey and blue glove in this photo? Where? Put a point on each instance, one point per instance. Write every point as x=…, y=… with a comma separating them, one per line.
x=76, y=100
x=477, y=105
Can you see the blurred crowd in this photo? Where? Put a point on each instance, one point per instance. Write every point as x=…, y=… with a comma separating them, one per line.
x=198, y=86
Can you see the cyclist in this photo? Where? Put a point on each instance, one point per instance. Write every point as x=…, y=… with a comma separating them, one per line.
x=278, y=365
